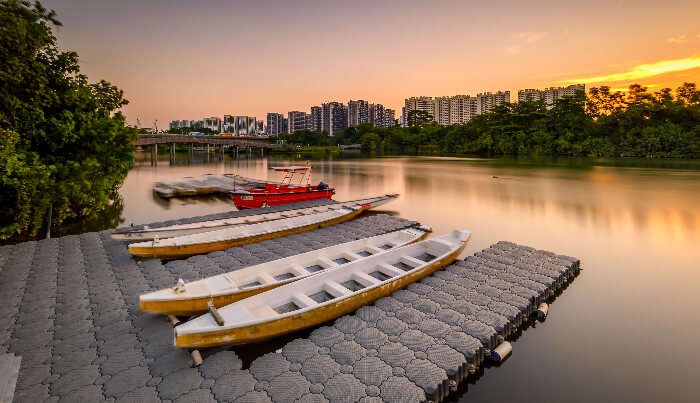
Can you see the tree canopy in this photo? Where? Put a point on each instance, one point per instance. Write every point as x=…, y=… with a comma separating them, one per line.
x=64, y=145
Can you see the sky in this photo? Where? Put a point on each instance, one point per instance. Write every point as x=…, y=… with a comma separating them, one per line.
x=178, y=59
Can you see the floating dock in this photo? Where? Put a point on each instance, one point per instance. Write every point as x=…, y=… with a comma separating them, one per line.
x=71, y=311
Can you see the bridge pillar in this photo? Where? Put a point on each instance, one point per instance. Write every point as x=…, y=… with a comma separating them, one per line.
x=154, y=155
x=172, y=153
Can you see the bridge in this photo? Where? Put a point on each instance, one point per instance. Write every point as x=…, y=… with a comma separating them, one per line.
x=238, y=141
x=219, y=143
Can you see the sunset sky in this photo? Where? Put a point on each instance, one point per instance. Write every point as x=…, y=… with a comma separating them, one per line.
x=179, y=59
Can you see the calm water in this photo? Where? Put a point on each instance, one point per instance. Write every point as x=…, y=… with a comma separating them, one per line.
x=625, y=330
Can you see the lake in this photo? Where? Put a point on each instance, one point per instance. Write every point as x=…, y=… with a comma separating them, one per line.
x=625, y=330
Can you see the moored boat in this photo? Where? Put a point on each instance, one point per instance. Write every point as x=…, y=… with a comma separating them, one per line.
x=242, y=234
x=146, y=233
x=275, y=194
x=317, y=299
x=192, y=298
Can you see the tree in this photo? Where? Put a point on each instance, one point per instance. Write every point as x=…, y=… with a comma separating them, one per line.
x=418, y=118
x=64, y=144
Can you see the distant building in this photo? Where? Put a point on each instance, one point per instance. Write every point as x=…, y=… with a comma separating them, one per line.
x=309, y=122
x=442, y=110
x=316, y=118
x=296, y=120
x=228, y=124
x=285, y=124
x=213, y=124
x=549, y=95
x=425, y=104
x=274, y=124
x=358, y=113
x=389, y=118
x=486, y=101
x=530, y=94
x=260, y=129
x=462, y=109
x=451, y=110
x=334, y=117
x=376, y=115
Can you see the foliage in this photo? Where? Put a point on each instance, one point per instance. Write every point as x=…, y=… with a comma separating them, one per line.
x=418, y=118
x=611, y=124
x=63, y=143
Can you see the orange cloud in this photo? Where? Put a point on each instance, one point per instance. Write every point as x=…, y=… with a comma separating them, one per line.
x=678, y=39
x=644, y=71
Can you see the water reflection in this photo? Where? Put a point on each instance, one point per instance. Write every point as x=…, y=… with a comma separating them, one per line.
x=616, y=334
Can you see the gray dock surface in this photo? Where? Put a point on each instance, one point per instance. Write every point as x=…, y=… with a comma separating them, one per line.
x=70, y=310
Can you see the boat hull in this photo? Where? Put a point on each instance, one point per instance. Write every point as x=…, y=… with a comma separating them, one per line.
x=198, y=305
x=196, y=249
x=264, y=331
x=253, y=200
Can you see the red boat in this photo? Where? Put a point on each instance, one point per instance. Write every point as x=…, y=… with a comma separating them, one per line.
x=274, y=194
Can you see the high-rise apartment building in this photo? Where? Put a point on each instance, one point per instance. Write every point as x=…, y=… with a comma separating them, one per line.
x=462, y=109
x=486, y=101
x=316, y=118
x=376, y=115
x=530, y=94
x=212, y=123
x=358, y=112
x=442, y=110
x=296, y=121
x=389, y=117
x=274, y=124
x=549, y=95
x=425, y=104
x=334, y=117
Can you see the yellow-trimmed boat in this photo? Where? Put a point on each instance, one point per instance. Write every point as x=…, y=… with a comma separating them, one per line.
x=223, y=239
x=223, y=289
x=147, y=234
x=317, y=299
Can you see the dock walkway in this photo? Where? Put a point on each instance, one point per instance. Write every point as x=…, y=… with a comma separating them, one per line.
x=70, y=310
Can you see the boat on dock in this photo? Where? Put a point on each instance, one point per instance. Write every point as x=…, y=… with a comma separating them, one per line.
x=223, y=289
x=286, y=192
x=237, y=235
x=320, y=298
x=146, y=233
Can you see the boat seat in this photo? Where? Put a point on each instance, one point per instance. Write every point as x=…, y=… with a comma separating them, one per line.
x=266, y=278
x=364, y=278
x=303, y=300
x=337, y=288
x=353, y=256
x=328, y=263
x=413, y=260
x=391, y=270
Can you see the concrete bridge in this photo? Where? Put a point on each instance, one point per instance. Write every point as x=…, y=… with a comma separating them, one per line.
x=215, y=142
x=240, y=141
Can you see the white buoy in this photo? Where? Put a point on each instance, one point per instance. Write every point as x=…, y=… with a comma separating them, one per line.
x=501, y=352
x=542, y=311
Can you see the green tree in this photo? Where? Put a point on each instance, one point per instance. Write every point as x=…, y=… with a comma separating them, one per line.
x=418, y=118
x=64, y=144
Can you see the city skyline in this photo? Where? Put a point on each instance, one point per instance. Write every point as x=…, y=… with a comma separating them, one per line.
x=171, y=61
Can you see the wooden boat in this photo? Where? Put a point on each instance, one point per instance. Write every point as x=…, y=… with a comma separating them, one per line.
x=146, y=233
x=223, y=289
x=287, y=192
x=317, y=299
x=242, y=234
x=164, y=190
